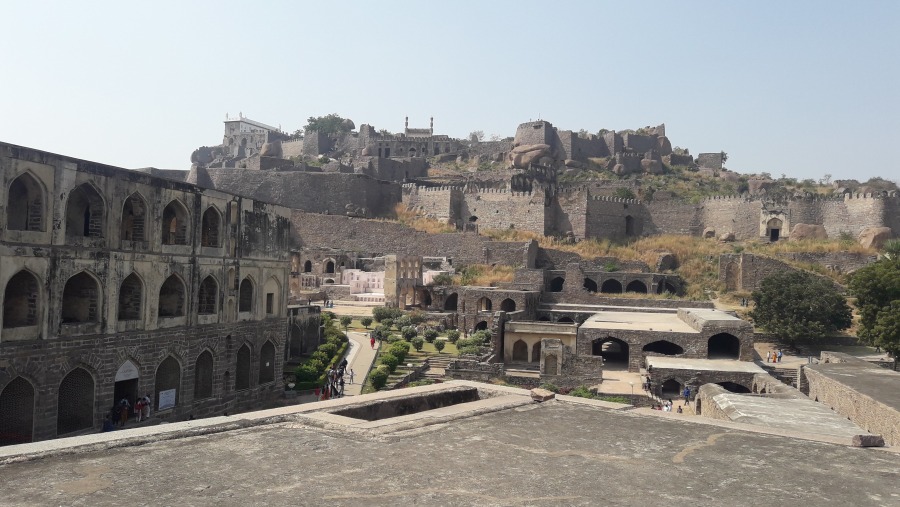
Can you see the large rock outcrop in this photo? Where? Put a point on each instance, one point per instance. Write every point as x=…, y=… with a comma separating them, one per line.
x=808, y=231
x=522, y=156
x=874, y=237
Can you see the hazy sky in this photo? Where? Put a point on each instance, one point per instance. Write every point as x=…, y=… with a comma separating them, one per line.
x=800, y=87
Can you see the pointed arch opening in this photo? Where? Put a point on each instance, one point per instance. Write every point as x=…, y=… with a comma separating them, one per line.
x=168, y=383
x=329, y=267
x=81, y=299
x=172, y=297
x=175, y=221
x=245, y=297
x=75, y=402
x=556, y=284
x=17, y=412
x=613, y=351
x=481, y=326
x=203, y=376
x=723, y=346
x=611, y=287
x=210, y=228
x=508, y=305
x=84, y=213
x=520, y=351
x=134, y=217
x=208, y=296
x=663, y=347
x=485, y=304
x=131, y=297
x=21, y=301
x=307, y=267
x=636, y=286
x=671, y=388
x=242, y=369
x=666, y=286
x=536, y=352
x=589, y=285
x=25, y=204
x=267, y=363
x=451, y=302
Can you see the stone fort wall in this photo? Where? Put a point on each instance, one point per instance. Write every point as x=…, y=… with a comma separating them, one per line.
x=375, y=237
x=306, y=191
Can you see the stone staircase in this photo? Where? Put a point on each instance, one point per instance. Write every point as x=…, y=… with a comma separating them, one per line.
x=785, y=374
x=437, y=365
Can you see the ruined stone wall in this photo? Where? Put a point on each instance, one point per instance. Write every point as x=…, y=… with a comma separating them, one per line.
x=441, y=203
x=388, y=169
x=316, y=143
x=745, y=272
x=731, y=214
x=866, y=412
x=639, y=143
x=292, y=148
x=892, y=215
x=612, y=217
x=500, y=209
x=568, y=212
x=374, y=237
x=312, y=192
x=673, y=217
x=841, y=262
x=856, y=212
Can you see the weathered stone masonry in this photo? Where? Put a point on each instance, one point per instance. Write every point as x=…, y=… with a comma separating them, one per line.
x=159, y=281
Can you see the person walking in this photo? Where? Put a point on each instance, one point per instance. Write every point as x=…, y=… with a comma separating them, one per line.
x=372, y=341
x=146, y=407
x=139, y=409
x=779, y=355
x=350, y=375
x=124, y=407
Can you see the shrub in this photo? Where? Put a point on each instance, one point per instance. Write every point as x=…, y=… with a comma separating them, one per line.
x=416, y=317
x=380, y=333
x=381, y=312
x=550, y=387
x=379, y=377
x=328, y=349
x=452, y=335
x=366, y=322
x=483, y=335
x=321, y=356
x=418, y=343
x=581, y=392
x=402, y=321
x=307, y=372
x=389, y=360
x=408, y=332
x=430, y=335
x=439, y=345
x=392, y=338
x=442, y=279
x=400, y=349
x=388, y=323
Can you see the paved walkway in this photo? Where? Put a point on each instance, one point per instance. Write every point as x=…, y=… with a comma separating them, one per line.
x=360, y=358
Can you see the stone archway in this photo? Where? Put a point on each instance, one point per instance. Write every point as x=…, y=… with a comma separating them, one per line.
x=734, y=387
x=75, y=403
x=556, y=284
x=508, y=305
x=613, y=351
x=636, y=286
x=17, y=412
x=773, y=229
x=451, y=302
x=520, y=351
x=589, y=285
x=536, y=353
x=611, y=287
x=663, y=347
x=723, y=346
x=671, y=388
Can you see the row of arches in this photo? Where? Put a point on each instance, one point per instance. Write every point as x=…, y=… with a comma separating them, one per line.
x=85, y=215
x=76, y=402
x=615, y=352
x=613, y=286
x=484, y=304
x=82, y=298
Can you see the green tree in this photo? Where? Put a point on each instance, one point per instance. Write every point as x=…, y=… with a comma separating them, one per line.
x=624, y=193
x=379, y=376
x=453, y=335
x=328, y=124
x=418, y=343
x=366, y=322
x=796, y=305
x=408, y=332
x=439, y=345
x=345, y=322
x=877, y=291
x=430, y=335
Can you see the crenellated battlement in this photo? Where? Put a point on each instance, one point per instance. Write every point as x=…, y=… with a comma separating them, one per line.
x=606, y=198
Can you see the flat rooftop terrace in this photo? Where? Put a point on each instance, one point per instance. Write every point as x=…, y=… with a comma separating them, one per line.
x=873, y=381
x=678, y=363
x=555, y=453
x=638, y=321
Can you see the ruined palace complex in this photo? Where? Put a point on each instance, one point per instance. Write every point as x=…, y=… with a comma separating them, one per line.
x=118, y=284
x=197, y=286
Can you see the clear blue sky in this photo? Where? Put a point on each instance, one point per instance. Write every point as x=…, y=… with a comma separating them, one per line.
x=800, y=87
